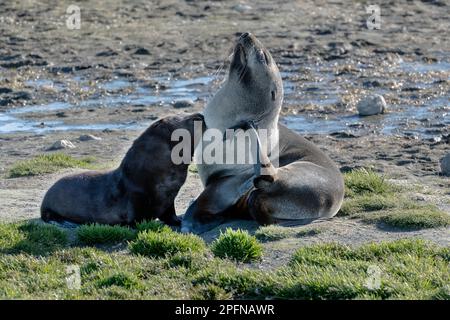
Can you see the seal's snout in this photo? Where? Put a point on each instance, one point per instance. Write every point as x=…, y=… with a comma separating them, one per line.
x=244, y=35
x=198, y=117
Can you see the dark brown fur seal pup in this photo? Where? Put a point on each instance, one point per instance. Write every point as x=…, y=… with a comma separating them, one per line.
x=143, y=187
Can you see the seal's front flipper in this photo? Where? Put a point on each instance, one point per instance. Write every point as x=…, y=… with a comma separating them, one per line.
x=209, y=209
x=170, y=218
x=64, y=224
x=199, y=219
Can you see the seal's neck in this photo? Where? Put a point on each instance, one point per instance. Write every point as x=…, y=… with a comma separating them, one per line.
x=232, y=104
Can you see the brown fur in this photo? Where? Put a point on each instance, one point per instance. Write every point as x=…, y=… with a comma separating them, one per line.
x=143, y=187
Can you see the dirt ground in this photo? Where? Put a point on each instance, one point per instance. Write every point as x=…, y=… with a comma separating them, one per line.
x=327, y=56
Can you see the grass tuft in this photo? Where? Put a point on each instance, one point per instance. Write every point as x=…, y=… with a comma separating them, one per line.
x=238, y=245
x=48, y=163
x=162, y=244
x=103, y=234
x=367, y=203
x=275, y=233
x=363, y=181
x=152, y=225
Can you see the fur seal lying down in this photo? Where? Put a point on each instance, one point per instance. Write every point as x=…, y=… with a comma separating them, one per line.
x=301, y=182
x=143, y=187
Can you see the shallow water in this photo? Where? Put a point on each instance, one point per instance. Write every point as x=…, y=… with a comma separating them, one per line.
x=322, y=89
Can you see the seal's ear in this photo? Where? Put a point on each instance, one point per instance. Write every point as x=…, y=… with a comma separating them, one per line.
x=264, y=181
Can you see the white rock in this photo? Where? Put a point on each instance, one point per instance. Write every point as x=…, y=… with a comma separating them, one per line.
x=62, y=144
x=242, y=7
x=88, y=137
x=445, y=165
x=371, y=105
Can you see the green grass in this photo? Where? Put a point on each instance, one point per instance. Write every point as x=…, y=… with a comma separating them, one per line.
x=238, y=245
x=364, y=181
x=412, y=219
x=162, y=244
x=408, y=269
x=373, y=200
x=275, y=233
x=48, y=163
x=367, y=203
x=31, y=238
x=152, y=225
x=91, y=234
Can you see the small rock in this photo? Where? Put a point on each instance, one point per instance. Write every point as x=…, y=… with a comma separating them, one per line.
x=88, y=137
x=142, y=51
x=62, y=144
x=5, y=90
x=371, y=105
x=183, y=104
x=445, y=165
x=242, y=7
x=106, y=53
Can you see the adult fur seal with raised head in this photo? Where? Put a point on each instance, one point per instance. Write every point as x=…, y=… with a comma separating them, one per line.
x=303, y=182
x=143, y=187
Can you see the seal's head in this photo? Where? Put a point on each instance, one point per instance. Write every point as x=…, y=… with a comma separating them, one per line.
x=253, y=68
x=253, y=89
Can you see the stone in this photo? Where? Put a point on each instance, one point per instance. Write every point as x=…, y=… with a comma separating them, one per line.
x=89, y=137
x=371, y=105
x=62, y=144
x=183, y=104
x=445, y=165
x=142, y=51
x=242, y=7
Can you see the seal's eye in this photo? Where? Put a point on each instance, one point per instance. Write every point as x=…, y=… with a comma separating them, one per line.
x=273, y=95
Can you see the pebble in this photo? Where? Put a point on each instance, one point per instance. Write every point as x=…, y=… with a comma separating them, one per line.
x=142, y=51
x=371, y=105
x=183, y=104
x=88, y=137
x=445, y=165
x=62, y=144
x=242, y=7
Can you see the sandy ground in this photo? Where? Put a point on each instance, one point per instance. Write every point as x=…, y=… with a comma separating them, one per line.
x=191, y=39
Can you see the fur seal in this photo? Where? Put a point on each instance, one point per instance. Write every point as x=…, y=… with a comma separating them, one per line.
x=253, y=92
x=144, y=186
x=300, y=182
